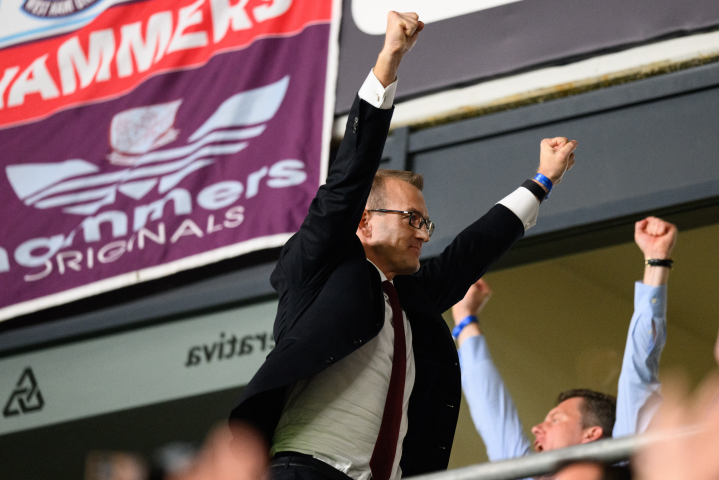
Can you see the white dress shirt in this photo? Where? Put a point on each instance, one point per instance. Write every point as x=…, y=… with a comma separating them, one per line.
x=335, y=416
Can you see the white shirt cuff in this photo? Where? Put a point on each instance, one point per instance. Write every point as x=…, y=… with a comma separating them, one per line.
x=524, y=205
x=375, y=94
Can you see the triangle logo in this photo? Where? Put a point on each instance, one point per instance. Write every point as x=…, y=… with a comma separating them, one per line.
x=26, y=397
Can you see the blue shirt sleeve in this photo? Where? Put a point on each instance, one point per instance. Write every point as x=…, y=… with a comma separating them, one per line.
x=492, y=409
x=639, y=389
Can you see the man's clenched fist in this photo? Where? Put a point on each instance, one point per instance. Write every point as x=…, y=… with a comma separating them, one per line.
x=655, y=237
x=473, y=302
x=556, y=157
x=402, y=32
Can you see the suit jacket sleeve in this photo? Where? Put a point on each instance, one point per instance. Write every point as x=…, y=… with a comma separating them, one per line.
x=447, y=277
x=334, y=214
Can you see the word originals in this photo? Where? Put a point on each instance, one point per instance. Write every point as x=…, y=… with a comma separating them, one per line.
x=162, y=36
x=228, y=348
x=37, y=252
x=73, y=259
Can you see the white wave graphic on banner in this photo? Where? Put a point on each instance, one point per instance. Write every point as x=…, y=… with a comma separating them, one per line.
x=77, y=186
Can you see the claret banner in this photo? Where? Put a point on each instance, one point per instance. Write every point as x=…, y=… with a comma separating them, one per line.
x=140, y=138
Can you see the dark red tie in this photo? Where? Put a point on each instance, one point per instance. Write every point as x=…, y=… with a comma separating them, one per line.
x=386, y=447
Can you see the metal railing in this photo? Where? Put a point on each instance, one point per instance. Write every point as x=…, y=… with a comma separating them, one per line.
x=608, y=451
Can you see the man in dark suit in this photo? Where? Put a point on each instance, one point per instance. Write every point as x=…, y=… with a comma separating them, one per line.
x=364, y=380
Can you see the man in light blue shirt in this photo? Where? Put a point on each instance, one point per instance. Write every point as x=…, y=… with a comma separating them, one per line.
x=580, y=416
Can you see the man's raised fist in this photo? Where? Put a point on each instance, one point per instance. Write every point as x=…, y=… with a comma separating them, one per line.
x=655, y=237
x=556, y=156
x=473, y=302
x=402, y=32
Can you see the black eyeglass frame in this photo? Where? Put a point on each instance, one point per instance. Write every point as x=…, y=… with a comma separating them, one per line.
x=423, y=221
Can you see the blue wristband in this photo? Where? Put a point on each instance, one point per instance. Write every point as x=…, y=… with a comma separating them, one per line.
x=460, y=326
x=544, y=181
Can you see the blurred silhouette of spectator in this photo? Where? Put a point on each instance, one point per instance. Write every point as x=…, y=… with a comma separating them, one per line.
x=593, y=471
x=234, y=453
x=692, y=456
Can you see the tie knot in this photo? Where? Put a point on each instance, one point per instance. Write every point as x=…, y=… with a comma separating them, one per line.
x=389, y=289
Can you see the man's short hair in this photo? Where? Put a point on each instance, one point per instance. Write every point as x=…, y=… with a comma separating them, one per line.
x=377, y=195
x=598, y=409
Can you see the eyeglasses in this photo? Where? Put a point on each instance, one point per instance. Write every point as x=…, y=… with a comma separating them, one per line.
x=415, y=219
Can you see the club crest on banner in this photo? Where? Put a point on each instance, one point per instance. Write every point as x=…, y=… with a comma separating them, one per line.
x=56, y=8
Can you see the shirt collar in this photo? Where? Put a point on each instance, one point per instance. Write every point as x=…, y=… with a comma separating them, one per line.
x=382, y=276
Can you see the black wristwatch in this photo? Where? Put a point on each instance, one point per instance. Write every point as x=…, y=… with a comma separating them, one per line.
x=659, y=262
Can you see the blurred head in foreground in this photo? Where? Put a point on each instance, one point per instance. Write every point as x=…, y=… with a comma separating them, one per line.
x=688, y=430
x=593, y=471
x=234, y=453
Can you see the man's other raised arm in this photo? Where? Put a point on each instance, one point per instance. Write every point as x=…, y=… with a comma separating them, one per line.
x=337, y=208
x=490, y=404
x=446, y=278
x=639, y=395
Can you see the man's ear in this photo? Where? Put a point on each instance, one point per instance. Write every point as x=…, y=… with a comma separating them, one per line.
x=592, y=433
x=364, y=229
